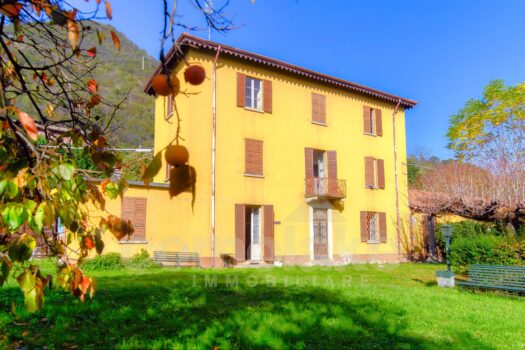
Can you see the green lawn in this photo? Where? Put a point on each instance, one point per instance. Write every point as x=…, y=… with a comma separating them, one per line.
x=360, y=306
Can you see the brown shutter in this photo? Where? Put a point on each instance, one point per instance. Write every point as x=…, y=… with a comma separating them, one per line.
x=318, y=108
x=240, y=227
x=309, y=162
x=369, y=172
x=253, y=157
x=322, y=108
x=267, y=96
x=382, y=227
x=367, y=126
x=315, y=107
x=380, y=173
x=364, y=226
x=134, y=209
x=241, y=90
x=379, y=122
x=269, y=252
x=332, y=164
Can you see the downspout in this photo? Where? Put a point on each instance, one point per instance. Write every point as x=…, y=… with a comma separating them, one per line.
x=396, y=171
x=213, y=152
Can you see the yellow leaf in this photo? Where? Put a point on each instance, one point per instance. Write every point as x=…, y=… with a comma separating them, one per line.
x=116, y=40
x=73, y=33
x=109, y=10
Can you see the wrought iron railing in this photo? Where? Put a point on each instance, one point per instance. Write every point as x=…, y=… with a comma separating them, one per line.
x=325, y=187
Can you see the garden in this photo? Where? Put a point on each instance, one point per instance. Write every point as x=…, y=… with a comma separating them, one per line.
x=139, y=305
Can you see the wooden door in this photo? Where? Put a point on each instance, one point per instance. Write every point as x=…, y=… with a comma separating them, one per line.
x=320, y=223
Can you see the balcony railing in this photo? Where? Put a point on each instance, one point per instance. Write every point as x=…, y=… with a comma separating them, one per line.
x=325, y=187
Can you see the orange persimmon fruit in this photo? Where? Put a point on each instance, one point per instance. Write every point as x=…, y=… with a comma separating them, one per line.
x=176, y=155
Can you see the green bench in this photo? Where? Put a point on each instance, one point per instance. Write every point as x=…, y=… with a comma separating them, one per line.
x=177, y=258
x=510, y=278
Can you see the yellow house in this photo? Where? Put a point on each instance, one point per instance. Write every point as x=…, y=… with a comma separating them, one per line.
x=293, y=166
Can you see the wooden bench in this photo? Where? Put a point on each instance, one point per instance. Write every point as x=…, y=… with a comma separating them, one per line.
x=177, y=258
x=510, y=278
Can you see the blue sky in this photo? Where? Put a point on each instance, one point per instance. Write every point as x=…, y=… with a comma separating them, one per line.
x=440, y=53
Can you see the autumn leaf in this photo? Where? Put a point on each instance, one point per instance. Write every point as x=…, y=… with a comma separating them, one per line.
x=109, y=10
x=116, y=40
x=148, y=172
x=28, y=124
x=101, y=36
x=73, y=33
x=92, y=86
x=92, y=52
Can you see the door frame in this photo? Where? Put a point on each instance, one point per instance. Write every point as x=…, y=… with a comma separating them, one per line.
x=260, y=245
x=329, y=228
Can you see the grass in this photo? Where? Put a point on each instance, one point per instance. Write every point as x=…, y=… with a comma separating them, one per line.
x=358, y=307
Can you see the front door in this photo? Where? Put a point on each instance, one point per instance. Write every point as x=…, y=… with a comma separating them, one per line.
x=320, y=223
x=255, y=233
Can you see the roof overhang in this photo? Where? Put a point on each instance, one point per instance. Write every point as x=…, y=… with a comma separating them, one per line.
x=186, y=41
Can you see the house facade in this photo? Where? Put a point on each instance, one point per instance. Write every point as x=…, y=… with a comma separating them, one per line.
x=292, y=165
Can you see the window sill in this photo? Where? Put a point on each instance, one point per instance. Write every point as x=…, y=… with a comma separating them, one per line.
x=369, y=134
x=254, y=110
x=254, y=175
x=372, y=187
x=319, y=123
x=373, y=242
x=133, y=242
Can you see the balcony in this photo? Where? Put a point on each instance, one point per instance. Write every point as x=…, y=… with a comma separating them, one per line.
x=320, y=187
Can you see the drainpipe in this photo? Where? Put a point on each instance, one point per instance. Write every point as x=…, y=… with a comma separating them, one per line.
x=213, y=152
x=396, y=171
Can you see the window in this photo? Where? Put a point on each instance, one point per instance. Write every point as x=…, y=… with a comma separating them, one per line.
x=134, y=209
x=374, y=173
x=318, y=109
x=253, y=96
x=253, y=157
x=373, y=227
x=372, y=121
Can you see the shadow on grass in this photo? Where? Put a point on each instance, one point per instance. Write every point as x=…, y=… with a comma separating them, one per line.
x=178, y=310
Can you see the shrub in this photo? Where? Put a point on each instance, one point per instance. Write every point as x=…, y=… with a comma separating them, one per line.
x=465, y=229
x=486, y=249
x=141, y=260
x=109, y=261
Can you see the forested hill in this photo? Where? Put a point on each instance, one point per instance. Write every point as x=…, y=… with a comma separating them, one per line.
x=117, y=72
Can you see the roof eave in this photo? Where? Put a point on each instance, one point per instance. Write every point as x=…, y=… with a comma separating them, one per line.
x=185, y=40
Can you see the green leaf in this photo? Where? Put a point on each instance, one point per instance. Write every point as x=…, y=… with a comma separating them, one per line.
x=3, y=155
x=26, y=280
x=64, y=171
x=5, y=267
x=153, y=168
x=3, y=186
x=112, y=190
x=22, y=248
x=30, y=205
x=33, y=285
x=14, y=215
x=11, y=189
x=37, y=221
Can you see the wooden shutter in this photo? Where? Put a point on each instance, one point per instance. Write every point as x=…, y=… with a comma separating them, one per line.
x=382, y=227
x=379, y=122
x=369, y=172
x=380, y=173
x=240, y=234
x=332, y=164
x=241, y=90
x=267, y=96
x=367, y=126
x=253, y=157
x=364, y=226
x=134, y=209
x=269, y=250
x=318, y=108
x=309, y=162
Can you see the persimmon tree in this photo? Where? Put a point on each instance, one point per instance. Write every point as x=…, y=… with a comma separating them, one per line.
x=45, y=66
